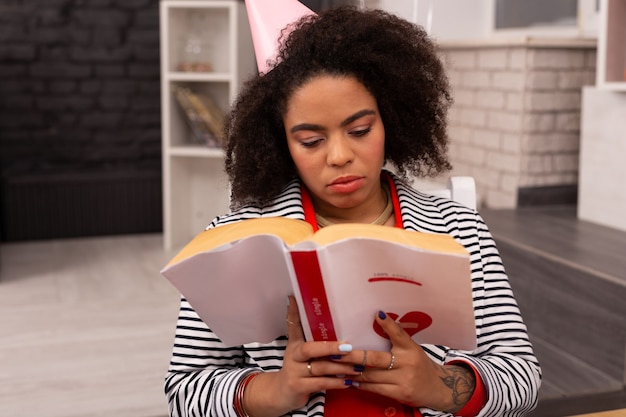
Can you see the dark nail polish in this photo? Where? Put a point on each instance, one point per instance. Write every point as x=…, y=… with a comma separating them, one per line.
x=382, y=315
x=359, y=368
x=348, y=382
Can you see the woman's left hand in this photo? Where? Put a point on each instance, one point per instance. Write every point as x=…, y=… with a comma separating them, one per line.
x=408, y=375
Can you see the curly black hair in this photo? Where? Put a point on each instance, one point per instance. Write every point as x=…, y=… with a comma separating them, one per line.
x=393, y=58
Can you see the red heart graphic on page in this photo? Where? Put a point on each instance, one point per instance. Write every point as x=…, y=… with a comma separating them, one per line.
x=412, y=323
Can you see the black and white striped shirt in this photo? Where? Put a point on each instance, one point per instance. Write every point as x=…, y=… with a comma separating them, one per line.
x=204, y=372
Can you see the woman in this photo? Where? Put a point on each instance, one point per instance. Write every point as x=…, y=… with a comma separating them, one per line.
x=349, y=92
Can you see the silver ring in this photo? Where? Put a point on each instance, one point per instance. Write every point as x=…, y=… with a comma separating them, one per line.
x=393, y=361
x=309, y=368
x=364, y=358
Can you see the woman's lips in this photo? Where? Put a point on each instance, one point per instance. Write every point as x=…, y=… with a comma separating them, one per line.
x=345, y=185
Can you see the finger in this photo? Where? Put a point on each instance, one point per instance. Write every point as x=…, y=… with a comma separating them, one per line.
x=397, y=335
x=389, y=390
x=380, y=370
x=334, y=351
x=323, y=368
x=373, y=359
x=323, y=383
x=294, y=326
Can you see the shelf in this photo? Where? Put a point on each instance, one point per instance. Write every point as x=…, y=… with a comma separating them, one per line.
x=195, y=185
x=196, y=151
x=199, y=76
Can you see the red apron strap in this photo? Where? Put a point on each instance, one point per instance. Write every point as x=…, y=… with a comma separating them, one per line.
x=309, y=210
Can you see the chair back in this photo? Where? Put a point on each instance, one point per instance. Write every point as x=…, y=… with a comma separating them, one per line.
x=461, y=189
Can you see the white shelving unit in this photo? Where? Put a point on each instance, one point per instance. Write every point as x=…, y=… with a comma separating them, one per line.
x=195, y=188
x=611, y=64
x=601, y=194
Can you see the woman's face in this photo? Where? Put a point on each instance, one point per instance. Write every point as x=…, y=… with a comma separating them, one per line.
x=336, y=138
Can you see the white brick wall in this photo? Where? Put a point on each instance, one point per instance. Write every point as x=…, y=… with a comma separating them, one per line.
x=493, y=59
x=515, y=120
x=508, y=81
x=514, y=102
x=555, y=58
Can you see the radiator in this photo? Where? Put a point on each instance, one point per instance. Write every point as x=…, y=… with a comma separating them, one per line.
x=38, y=207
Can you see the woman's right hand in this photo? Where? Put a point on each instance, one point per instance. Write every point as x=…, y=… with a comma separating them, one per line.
x=308, y=367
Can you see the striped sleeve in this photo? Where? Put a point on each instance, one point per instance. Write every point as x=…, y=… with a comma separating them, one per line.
x=203, y=373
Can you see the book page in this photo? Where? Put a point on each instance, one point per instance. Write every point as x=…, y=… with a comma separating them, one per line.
x=430, y=241
x=295, y=233
x=428, y=293
x=289, y=230
x=240, y=293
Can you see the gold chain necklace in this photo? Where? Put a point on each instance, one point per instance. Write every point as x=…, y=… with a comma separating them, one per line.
x=380, y=220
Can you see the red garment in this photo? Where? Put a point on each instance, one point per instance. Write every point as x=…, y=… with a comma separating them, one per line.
x=309, y=210
x=354, y=402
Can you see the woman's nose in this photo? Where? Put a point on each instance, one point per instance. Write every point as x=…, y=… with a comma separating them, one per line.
x=339, y=151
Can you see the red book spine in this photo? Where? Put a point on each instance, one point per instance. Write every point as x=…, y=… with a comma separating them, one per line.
x=309, y=277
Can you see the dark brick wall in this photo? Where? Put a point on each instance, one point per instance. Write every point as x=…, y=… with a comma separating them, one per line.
x=79, y=95
x=79, y=85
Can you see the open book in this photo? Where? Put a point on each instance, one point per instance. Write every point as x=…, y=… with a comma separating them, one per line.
x=238, y=277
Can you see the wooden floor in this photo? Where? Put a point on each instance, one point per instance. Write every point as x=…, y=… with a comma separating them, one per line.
x=612, y=413
x=569, y=277
x=86, y=325
x=555, y=232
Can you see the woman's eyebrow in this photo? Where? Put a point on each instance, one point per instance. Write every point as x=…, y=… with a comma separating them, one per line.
x=306, y=126
x=356, y=116
x=350, y=119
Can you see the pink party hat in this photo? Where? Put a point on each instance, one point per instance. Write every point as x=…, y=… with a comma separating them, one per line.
x=267, y=19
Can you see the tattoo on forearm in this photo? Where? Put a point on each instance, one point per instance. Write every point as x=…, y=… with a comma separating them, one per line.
x=462, y=383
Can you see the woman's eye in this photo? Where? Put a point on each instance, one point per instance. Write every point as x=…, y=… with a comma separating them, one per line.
x=361, y=132
x=311, y=143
